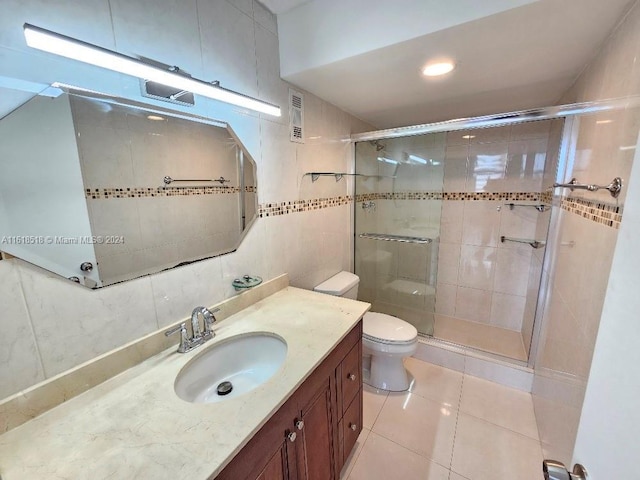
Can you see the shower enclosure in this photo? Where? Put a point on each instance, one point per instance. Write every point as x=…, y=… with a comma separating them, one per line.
x=450, y=230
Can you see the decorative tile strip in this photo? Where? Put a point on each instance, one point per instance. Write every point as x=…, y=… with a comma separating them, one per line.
x=472, y=196
x=138, y=192
x=599, y=212
x=547, y=197
x=285, y=208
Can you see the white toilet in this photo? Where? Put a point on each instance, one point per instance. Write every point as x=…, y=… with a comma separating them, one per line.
x=386, y=340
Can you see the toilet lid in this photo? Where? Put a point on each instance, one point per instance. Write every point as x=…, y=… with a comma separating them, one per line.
x=383, y=328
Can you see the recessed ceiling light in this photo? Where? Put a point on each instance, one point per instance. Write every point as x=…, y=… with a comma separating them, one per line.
x=468, y=137
x=438, y=68
x=155, y=117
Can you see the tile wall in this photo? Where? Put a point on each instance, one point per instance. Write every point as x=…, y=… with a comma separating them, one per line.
x=579, y=276
x=52, y=325
x=481, y=278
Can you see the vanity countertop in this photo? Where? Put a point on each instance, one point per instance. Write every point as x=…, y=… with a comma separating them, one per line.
x=135, y=426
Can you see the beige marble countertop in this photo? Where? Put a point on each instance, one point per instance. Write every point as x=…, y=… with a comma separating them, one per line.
x=134, y=425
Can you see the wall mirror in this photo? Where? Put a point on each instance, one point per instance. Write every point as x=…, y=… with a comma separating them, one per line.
x=102, y=190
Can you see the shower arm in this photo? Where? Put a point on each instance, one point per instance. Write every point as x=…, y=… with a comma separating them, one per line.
x=615, y=187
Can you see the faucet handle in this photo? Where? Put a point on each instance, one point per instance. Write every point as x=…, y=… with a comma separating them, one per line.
x=209, y=320
x=184, y=341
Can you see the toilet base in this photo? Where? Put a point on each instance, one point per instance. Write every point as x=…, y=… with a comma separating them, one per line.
x=387, y=373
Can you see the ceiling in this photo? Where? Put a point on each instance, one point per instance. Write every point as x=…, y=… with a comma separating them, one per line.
x=506, y=58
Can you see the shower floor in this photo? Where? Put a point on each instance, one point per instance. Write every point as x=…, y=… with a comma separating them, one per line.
x=488, y=338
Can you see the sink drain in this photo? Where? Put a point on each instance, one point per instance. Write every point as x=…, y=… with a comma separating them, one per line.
x=224, y=388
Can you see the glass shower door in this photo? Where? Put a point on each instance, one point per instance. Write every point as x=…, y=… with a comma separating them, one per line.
x=397, y=225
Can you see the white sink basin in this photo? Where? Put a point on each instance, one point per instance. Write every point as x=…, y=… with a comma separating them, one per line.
x=246, y=361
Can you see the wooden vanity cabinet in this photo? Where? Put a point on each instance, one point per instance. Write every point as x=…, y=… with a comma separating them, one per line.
x=312, y=434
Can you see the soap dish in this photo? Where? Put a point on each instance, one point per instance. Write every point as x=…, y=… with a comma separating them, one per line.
x=247, y=281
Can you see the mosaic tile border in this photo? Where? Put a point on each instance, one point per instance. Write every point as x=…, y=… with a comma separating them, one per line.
x=140, y=192
x=472, y=196
x=285, y=208
x=600, y=212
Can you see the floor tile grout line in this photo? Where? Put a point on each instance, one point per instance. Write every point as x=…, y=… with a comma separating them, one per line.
x=455, y=430
x=430, y=459
x=500, y=426
x=380, y=410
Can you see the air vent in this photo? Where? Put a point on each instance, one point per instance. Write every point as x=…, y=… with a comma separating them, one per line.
x=296, y=116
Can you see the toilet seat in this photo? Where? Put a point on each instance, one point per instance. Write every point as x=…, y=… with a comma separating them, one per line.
x=388, y=330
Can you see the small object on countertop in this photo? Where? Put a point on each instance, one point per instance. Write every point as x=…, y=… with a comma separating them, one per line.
x=247, y=281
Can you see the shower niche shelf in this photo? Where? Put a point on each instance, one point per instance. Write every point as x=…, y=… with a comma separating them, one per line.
x=541, y=207
x=338, y=175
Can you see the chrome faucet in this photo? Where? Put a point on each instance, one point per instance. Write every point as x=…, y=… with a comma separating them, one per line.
x=208, y=319
x=198, y=337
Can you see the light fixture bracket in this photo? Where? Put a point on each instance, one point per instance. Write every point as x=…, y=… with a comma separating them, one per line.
x=159, y=91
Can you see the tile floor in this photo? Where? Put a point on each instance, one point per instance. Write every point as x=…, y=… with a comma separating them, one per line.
x=488, y=338
x=449, y=426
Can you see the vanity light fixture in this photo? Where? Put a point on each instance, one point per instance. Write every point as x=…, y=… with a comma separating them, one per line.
x=157, y=118
x=64, y=46
x=468, y=137
x=436, y=69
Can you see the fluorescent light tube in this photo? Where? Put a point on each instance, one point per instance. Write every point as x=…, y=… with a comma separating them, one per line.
x=62, y=45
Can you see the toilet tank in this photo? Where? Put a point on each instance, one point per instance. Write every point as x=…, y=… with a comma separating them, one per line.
x=343, y=284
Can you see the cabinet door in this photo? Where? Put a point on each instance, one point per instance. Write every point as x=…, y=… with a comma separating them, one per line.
x=276, y=468
x=316, y=449
x=282, y=465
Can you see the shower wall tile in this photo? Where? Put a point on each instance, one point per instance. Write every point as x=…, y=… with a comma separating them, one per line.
x=481, y=223
x=521, y=222
x=489, y=135
x=451, y=221
x=473, y=304
x=507, y=311
x=414, y=261
x=446, y=299
x=486, y=168
x=448, y=263
x=455, y=168
x=530, y=130
x=512, y=271
x=505, y=159
x=477, y=266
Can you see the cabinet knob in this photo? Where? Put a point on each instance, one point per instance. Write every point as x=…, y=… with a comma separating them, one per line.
x=292, y=436
x=352, y=377
x=299, y=424
x=353, y=426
